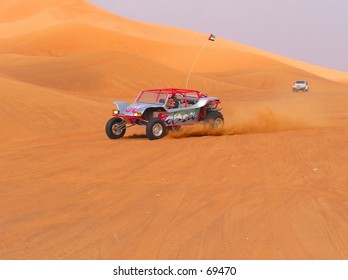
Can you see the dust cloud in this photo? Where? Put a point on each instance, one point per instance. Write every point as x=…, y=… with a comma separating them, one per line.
x=262, y=118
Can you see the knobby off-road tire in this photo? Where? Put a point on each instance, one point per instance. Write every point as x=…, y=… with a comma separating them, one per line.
x=115, y=128
x=156, y=129
x=215, y=120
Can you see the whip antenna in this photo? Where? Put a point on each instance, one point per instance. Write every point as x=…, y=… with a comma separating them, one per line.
x=211, y=38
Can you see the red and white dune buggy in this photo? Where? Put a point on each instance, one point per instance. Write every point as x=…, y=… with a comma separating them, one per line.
x=160, y=110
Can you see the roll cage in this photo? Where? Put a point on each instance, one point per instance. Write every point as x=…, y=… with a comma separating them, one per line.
x=186, y=97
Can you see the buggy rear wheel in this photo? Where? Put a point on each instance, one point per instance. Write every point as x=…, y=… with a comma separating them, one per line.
x=215, y=120
x=156, y=129
x=115, y=128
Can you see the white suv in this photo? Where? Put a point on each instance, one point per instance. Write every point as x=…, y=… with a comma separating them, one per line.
x=300, y=86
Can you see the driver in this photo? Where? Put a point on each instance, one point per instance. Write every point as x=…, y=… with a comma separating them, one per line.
x=172, y=102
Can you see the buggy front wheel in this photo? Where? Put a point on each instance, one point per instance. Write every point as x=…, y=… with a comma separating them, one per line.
x=156, y=129
x=115, y=128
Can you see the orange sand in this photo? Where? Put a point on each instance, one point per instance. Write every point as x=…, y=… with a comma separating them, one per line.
x=273, y=185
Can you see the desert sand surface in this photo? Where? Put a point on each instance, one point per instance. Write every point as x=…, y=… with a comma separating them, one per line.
x=272, y=185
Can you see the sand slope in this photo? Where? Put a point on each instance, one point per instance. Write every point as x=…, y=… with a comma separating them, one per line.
x=271, y=186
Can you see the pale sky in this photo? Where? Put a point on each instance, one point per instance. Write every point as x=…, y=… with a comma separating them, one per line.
x=314, y=31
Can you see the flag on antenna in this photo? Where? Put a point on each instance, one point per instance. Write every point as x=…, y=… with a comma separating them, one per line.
x=212, y=37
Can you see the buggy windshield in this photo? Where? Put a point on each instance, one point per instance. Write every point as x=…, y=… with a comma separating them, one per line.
x=152, y=97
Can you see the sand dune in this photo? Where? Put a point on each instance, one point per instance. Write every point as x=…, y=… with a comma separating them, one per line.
x=271, y=185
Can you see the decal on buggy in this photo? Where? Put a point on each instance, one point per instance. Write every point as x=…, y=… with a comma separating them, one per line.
x=180, y=117
x=133, y=109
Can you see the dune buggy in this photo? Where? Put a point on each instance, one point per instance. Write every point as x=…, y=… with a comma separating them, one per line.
x=161, y=110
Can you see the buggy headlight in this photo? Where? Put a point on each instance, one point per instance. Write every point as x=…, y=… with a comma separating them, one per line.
x=137, y=114
x=116, y=112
